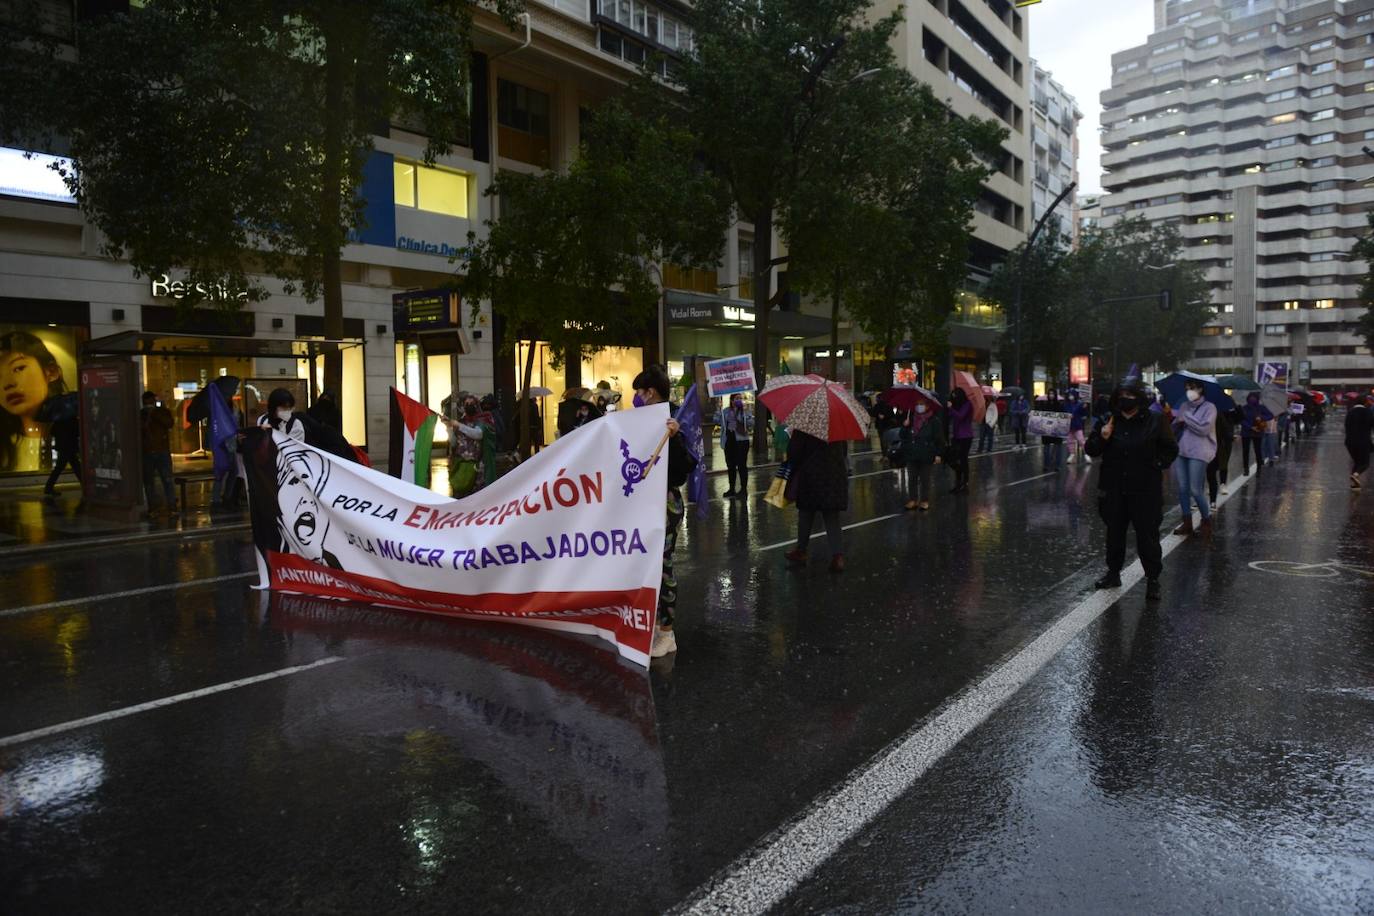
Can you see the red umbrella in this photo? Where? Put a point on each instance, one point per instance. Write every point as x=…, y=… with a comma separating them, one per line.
x=974, y=391
x=906, y=397
x=1319, y=397
x=1294, y=396
x=815, y=406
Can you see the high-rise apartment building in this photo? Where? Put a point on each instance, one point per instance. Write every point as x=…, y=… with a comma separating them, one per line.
x=973, y=53
x=1243, y=121
x=1054, y=152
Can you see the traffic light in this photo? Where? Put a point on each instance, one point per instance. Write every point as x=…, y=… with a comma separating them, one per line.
x=1166, y=300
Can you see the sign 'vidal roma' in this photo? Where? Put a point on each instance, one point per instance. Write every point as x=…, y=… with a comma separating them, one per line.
x=571, y=539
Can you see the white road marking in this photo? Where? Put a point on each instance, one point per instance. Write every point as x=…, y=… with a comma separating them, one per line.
x=763, y=877
x=127, y=593
x=883, y=518
x=37, y=733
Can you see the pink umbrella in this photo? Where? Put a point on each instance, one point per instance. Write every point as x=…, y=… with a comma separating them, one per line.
x=974, y=391
x=816, y=406
x=906, y=397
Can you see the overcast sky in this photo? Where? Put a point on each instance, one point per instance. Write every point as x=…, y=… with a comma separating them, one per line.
x=1075, y=41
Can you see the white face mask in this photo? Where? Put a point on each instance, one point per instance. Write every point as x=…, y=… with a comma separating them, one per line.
x=284, y=413
x=1194, y=395
x=920, y=408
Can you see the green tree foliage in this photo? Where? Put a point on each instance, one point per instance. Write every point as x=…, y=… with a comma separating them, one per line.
x=228, y=137
x=571, y=258
x=890, y=241
x=764, y=87
x=1063, y=297
x=1364, y=251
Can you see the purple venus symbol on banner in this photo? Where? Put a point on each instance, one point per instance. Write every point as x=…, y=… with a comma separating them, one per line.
x=632, y=469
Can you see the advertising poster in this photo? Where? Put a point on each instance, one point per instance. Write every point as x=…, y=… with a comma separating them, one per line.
x=37, y=366
x=110, y=433
x=571, y=539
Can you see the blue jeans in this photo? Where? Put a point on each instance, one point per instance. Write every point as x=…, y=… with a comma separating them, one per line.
x=1271, y=445
x=1190, y=476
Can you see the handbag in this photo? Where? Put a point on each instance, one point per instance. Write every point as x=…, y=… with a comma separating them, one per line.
x=777, y=496
x=464, y=477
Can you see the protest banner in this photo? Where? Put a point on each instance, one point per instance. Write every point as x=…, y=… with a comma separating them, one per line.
x=1048, y=423
x=1272, y=373
x=730, y=376
x=571, y=539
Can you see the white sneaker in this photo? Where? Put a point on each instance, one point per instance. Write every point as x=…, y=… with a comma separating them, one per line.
x=664, y=643
x=1088, y=458
x=1223, y=490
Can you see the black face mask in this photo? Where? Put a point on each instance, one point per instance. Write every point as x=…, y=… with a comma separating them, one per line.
x=1126, y=405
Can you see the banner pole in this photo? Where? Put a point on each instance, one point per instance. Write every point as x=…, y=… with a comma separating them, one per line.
x=653, y=459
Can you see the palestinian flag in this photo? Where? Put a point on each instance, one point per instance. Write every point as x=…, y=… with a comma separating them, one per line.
x=412, y=435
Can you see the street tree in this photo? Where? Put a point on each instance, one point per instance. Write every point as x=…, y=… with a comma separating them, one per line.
x=889, y=244
x=571, y=259
x=228, y=138
x=762, y=78
x=1044, y=276
x=1364, y=251
x=1065, y=298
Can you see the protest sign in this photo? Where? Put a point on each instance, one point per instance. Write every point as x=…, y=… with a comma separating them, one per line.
x=571, y=539
x=730, y=376
x=1048, y=423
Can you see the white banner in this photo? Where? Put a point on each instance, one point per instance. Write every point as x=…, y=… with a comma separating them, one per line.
x=571, y=539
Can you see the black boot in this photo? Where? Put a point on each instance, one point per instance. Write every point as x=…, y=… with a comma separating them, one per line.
x=1151, y=589
x=1110, y=580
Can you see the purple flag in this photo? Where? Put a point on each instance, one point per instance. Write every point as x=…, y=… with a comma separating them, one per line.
x=689, y=421
x=223, y=429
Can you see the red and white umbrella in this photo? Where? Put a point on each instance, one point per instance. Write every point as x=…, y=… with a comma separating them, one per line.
x=966, y=381
x=816, y=406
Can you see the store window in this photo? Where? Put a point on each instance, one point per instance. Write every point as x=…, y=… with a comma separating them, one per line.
x=436, y=190
x=524, y=130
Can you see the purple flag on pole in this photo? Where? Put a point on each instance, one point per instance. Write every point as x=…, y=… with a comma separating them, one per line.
x=689, y=421
x=223, y=429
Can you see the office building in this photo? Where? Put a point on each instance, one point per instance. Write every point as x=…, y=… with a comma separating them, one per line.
x=1244, y=122
x=1054, y=153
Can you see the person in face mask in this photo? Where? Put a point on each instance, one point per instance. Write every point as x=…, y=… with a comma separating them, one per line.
x=1195, y=428
x=281, y=415
x=1135, y=446
x=923, y=442
x=736, y=431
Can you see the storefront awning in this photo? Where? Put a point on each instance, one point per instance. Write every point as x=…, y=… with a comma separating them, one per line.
x=143, y=343
x=705, y=311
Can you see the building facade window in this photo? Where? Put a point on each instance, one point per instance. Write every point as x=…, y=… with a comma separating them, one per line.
x=435, y=190
x=523, y=126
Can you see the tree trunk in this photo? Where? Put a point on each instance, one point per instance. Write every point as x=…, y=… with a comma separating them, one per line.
x=331, y=200
x=527, y=406
x=763, y=273
x=835, y=329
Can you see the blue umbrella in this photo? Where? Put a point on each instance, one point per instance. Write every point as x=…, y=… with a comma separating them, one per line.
x=1172, y=387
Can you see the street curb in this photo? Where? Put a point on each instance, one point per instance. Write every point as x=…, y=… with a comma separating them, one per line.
x=195, y=534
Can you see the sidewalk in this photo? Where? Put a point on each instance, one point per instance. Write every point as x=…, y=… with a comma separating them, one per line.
x=29, y=524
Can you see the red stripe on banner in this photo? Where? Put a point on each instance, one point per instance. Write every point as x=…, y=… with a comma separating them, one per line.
x=625, y=616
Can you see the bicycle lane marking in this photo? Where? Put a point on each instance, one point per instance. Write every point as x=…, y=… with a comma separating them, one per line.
x=765, y=875
x=1328, y=570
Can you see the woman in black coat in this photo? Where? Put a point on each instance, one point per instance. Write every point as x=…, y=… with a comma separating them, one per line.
x=819, y=482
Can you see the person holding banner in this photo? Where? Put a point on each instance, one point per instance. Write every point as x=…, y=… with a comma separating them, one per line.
x=466, y=472
x=1135, y=446
x=736, y=431
x=652, y=387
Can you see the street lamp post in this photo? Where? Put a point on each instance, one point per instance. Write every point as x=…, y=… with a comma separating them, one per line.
x=1021, y=270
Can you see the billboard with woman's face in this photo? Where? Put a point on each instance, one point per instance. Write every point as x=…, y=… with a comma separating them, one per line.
x=37, y=363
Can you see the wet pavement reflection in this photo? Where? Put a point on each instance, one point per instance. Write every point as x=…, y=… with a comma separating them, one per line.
x=443, y=766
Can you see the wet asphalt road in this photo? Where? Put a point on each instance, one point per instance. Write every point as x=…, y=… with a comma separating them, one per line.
x=1215, y=754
